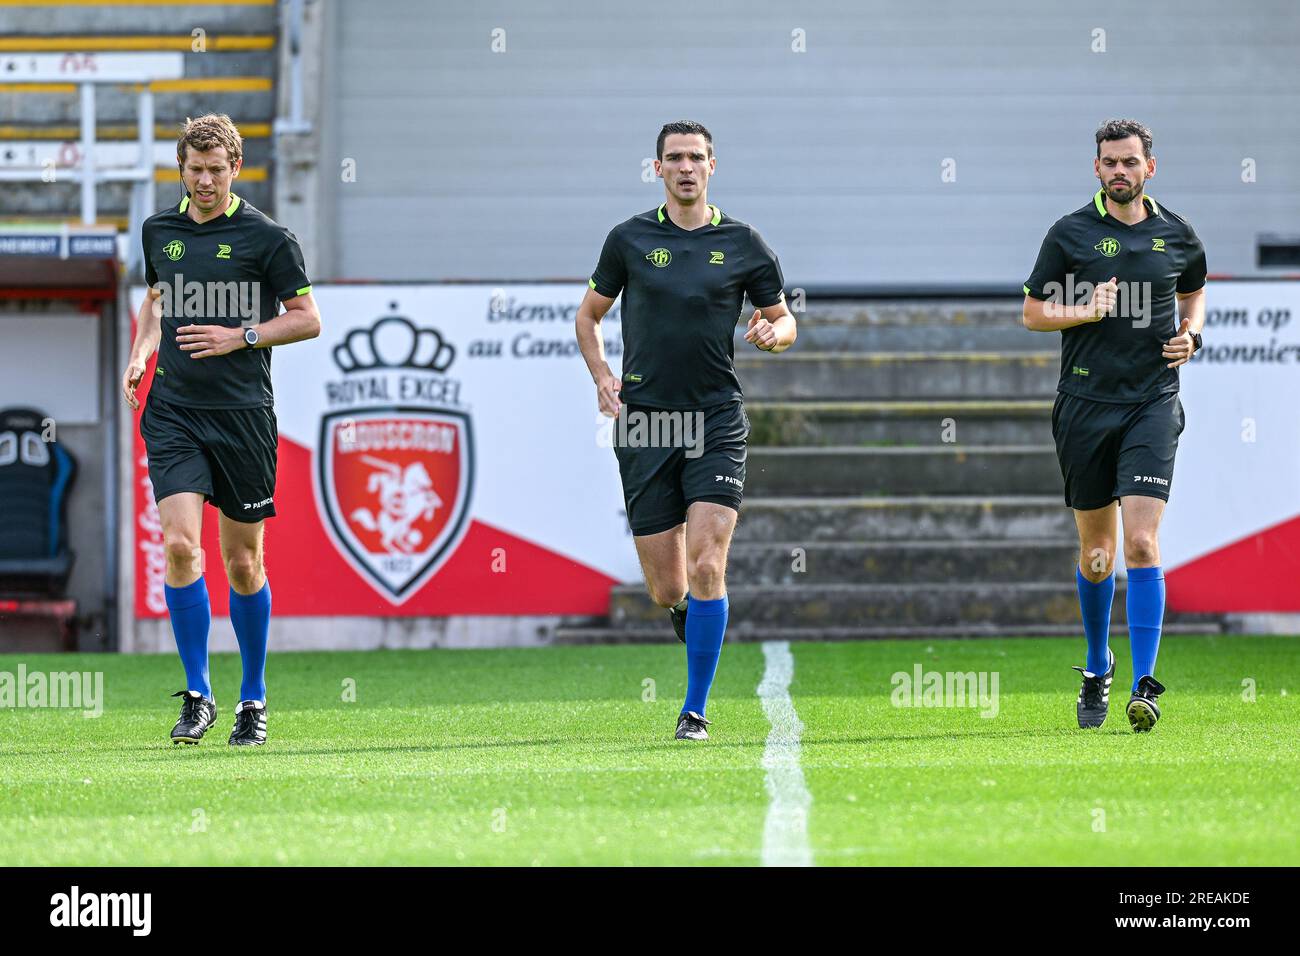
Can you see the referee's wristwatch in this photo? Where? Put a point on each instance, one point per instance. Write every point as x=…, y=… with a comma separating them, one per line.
x=251, y=338
x=1196, y=342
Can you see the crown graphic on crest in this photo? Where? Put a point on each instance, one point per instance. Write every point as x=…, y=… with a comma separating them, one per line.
x=394, y=342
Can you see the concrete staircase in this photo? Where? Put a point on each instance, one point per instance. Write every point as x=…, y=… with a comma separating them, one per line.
x=235, y=74
x=902, y=482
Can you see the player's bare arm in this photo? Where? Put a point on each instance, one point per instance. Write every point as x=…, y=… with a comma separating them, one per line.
x=1043, y=315
x=148, y=332
x=1191, y=312
x=772, y=328
x=300, y=321
x=592, y=345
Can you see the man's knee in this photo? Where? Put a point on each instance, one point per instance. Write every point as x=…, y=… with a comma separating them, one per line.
x=243, y=569
x=706, y=572
x=1097, y=559
x=184, y=553
x=1141, y=549
x=666, y=595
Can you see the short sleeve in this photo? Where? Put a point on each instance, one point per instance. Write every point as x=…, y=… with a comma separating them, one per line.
x=1050, y=267
x=1193, y=276
x=285, y=269
x=150, y=273
x=764, y=283
x=611, y=271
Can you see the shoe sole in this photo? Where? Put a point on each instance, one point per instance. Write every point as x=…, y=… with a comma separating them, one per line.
x=1142, y=716
x=1083, y=726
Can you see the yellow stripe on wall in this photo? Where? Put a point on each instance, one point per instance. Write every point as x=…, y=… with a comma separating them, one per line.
x=221, y=42
x=117, y=132
x=136, y=3
x=248, y=174
x=198, y=84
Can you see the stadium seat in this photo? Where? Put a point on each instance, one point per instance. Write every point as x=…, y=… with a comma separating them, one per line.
x=35, y=479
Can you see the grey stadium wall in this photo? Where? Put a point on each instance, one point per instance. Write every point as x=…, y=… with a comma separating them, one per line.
x=837, y=153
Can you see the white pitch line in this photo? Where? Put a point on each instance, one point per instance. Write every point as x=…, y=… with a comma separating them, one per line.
x=785, y=833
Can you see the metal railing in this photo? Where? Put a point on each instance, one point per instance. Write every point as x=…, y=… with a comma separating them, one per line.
x=90, y=175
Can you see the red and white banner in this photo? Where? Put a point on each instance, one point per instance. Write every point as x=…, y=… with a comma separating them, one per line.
x=1230, y=541
x=440, y=453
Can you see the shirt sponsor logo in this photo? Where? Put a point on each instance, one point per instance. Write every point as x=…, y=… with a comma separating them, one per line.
x=660, y=257
x=223, y=251
x=715, y=259
x=1108, y=247
x=1157, y=245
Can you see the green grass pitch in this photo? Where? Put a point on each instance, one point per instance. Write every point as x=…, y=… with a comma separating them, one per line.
x=565, y=756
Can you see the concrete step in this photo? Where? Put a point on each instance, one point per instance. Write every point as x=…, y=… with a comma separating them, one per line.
x=798, y=374
x=970, y=518
x=908, y=338
x=59, y=20
x=924, y=605
x=972, y=314
x=902, y=562
x=935, y=470
x=1023, y=422
x=663, y=634
x=63, y=198
x=119, y=104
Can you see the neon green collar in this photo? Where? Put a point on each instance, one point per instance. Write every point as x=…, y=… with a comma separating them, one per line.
x=717, y=214
x=230, y=210
x=1099, y=201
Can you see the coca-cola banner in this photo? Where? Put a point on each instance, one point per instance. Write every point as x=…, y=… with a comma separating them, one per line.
x=440, y=452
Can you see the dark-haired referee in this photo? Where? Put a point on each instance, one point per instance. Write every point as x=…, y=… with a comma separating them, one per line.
x=1114, y=278
x=217, y=270
x=683, y=270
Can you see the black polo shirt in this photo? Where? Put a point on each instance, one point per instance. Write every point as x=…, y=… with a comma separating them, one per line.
x=682, y=294
x=232, y=270
x=1119, y=359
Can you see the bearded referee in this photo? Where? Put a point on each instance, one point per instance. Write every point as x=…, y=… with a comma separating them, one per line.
x=218, y=269
x=683, y=270
x=1123, y=280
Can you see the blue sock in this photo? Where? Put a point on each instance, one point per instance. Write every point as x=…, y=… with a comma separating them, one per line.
x=250, y=615
x=1094, y=603
x=191, y=615
x=1146, y=613
x=706, y=623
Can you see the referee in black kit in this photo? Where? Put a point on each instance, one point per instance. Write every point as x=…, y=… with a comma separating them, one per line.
x=683, y=270
x=1123, y=280
x=217, y=270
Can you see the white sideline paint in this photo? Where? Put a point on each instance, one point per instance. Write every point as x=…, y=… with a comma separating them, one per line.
x=785, y=834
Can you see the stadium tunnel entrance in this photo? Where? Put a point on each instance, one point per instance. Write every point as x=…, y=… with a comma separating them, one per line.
x=61, y=295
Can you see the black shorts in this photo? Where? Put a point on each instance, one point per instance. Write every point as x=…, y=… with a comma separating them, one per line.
x=669, y=459
x=227, y=455
x=1108, y=451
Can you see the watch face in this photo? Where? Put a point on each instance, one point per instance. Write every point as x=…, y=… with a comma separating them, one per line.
x=250, y=336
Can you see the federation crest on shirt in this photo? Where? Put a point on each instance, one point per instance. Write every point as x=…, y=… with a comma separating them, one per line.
x=395, y=458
